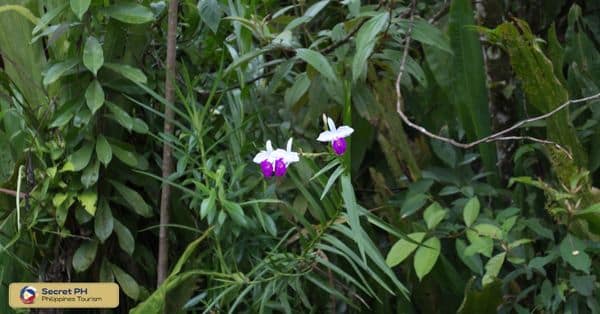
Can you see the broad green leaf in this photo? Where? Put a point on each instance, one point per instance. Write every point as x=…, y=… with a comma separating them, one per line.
x=58, y=69
x=94, y=96
x=88, y=199
x=572, y=251
x=472, y=261
x=584, y=285
x=122, y=117
x=84, y=256
x=133, y=74
x=492, y=268
x=413, y=204
x=48, y=17
x=127, y=283
x=208, y=204
x=7, y=161
x=211, y=13
x=103, y=150
x=79, y=7
x=103, y=221
x=90, y=174
x=428, y=34
x=426, y=257
x=445, y=152
x=133, y=198
x=93, y=56
x=105, y=274
x=488, y=230
x=23, y=11
x=469, y=84
x=471, y=211
x=126, y=240
x=65, y=113
x=62, y=202
x=297, y=90
x=235, y=211
x=81, y=158
x=433, y=215
x=127, y=157
x=365, y=42
x=131, y=13
x=139, y=126
x=403, y=248
x=318, y=62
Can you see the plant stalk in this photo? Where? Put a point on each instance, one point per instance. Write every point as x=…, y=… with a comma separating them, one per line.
x=167, y=162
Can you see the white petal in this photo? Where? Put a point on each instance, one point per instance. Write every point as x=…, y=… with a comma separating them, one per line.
x=269, y=146
x=288, y=157
x=289, y=144
x=331, y=124
x=344, y=131
x=260, y=157
x=326, y=136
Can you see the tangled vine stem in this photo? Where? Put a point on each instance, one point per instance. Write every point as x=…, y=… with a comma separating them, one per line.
x=498, y=136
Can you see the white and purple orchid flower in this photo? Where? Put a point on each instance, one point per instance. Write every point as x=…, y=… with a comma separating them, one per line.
x=275, y=162
x=336, y=136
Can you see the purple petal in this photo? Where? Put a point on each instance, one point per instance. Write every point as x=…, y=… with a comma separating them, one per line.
x=280, y=168
x=339, y=146
x=267, y=168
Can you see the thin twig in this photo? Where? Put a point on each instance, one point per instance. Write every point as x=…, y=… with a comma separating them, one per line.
x=13, y=193
x=494, y=137
x=437, y=16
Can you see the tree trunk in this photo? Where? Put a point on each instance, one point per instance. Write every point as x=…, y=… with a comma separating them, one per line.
x=167, y=162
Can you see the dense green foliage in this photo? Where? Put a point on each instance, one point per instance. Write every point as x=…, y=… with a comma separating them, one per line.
x=399, y=223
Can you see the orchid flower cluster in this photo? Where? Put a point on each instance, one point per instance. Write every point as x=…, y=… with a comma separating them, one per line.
x=276, y=161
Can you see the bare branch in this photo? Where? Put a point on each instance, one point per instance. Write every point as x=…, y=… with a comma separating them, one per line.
x=498, y=136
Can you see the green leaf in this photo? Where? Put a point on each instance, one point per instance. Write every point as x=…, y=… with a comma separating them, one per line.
x=318, y=62
x=471, y=211
x=487, y=300
x=469, y=84
x=413, y=204
x=310, y=13
x=106, y=274
x=331, y=180
x=127, y=283
x=445, y=152
x=93, y=56
x=103, y=150
x=65, y=113
x=572, y=251
x=89, y=176
x=297, y=90
x=81, y=158
x=208, y=204
x=426, y=257
x=210, y=13
x=403, y=248
x=127, y=157
x=58, y=69
x=352, y=210
x=235, y=211
x=88, y=199
x=139, y=126
x=472, y=261
x=122, y=117
x=133, y=198
x=79, y=7
x=365, y=42
x=103, y=221
x=7, y=161
x=84, y=256
x=488, y=230
x=130, y=13
x=94, y=96
x=126, y=240
x=62, y=202
x=133, y=74
x=492, y=269
x=433, y=215
x=584, y=285
x=428, y=34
